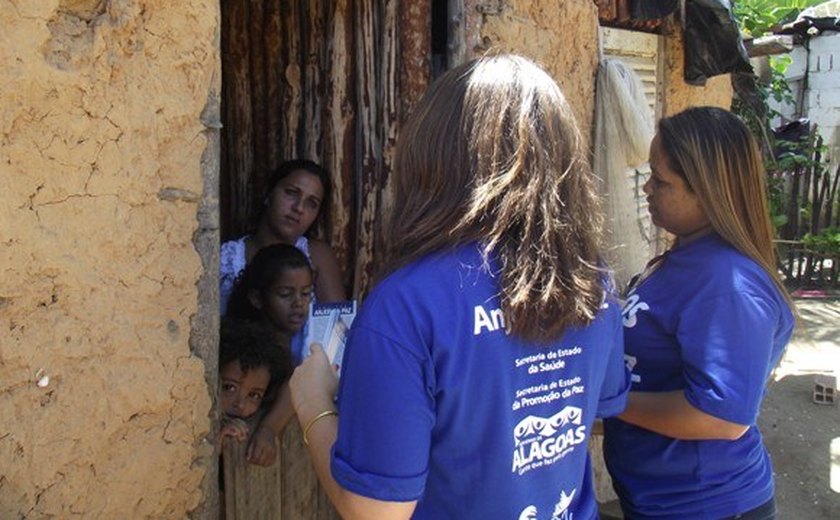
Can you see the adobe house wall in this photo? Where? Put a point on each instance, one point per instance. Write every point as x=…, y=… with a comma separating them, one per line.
x=560, y=36
x=678, y=94
x=109, y=241
x=107, y=235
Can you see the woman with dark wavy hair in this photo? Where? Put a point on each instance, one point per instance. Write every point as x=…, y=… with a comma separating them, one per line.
x=297, y=195
x=476, y=367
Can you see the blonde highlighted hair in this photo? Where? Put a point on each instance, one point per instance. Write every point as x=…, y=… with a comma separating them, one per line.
x=718, y=157
x=492, y=154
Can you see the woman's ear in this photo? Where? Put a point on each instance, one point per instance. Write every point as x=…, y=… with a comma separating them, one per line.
x=254, y=299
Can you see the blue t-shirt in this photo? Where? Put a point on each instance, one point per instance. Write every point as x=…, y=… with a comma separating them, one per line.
x=711, y=322
x=439, y=404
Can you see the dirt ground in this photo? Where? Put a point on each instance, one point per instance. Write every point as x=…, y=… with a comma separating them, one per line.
x=804, y=437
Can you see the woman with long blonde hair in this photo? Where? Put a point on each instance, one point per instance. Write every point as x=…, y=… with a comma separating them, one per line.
x=704, y=327
x=476, y=367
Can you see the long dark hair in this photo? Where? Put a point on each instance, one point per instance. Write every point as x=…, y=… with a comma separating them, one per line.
x=718, y=157
x=492, y=154
x=260, y=274
x=287, y=168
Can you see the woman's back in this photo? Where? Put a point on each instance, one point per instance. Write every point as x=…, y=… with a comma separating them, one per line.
x=476, y=422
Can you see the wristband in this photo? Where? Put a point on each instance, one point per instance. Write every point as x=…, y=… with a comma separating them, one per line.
x=325, y=413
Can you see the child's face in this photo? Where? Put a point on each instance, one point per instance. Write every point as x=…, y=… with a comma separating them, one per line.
x=286, y=303
x=242, y=392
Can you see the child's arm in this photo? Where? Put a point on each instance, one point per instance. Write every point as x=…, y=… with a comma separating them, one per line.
x=262, y=451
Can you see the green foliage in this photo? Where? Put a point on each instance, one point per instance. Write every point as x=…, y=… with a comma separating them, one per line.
x=779, y=88
x=776, y=198
x=759, y=17
x=802, y=155
x=826, y=242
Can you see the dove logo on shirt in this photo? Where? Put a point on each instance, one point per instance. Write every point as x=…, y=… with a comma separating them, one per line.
x=540, y=441
x=561, y=509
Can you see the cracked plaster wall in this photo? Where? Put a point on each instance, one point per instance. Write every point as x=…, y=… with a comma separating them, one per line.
x=104, y=408
x=563, y=38
x=560, y=36
x=679, y=95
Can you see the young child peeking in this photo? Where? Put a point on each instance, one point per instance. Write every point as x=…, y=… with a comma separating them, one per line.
x=251, y=368
x=274, y=289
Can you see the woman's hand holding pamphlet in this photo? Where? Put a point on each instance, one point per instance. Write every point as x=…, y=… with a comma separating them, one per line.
x=328, y=326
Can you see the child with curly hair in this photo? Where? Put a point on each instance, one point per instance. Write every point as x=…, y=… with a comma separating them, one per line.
x=251, y=368
x=275, y=289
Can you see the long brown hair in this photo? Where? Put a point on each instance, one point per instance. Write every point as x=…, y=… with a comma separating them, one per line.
x=492, y=154
x=718, y=157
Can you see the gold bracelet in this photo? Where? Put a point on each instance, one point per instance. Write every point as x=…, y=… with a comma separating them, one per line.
x=315, y=419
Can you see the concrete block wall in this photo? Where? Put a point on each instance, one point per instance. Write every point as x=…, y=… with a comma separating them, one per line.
x=822, y=100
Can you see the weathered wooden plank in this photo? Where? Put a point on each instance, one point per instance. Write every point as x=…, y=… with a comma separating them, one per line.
x=258, y=98
x=391, y=96
x=238, y=131
x=415, y=34
x=314, y=69
x=368, y=146
x=297, y=477
x=292, y=101
x=456, y=48
x=463, y=31
x=287, y=490
x=339, y=132
x=273, y=41
x=769, y=45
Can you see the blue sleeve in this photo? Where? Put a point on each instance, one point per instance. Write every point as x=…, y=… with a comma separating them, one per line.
x=616, y=383
x=386, y=418
x=727, y=345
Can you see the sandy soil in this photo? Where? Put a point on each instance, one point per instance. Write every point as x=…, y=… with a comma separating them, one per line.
x=804, y=437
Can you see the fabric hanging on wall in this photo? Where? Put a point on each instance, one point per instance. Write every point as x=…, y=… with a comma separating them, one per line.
x=624, y=127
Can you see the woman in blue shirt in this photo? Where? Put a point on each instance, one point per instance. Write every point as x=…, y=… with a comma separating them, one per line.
x=476, y=367
x=704, y=327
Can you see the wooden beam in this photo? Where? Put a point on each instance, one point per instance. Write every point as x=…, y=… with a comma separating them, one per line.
x=769, y=45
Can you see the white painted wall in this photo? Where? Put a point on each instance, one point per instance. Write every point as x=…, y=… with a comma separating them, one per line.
x=818, y=64
x=822, y=98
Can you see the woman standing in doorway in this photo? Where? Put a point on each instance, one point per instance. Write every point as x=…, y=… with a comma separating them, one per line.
x=296, y=193
x=476, y=367
x=704, y=327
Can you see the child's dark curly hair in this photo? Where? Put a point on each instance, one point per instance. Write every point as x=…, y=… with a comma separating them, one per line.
x=252, y=344
x=260, y=274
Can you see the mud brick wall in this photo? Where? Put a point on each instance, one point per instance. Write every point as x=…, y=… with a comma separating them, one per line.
x=107, y=116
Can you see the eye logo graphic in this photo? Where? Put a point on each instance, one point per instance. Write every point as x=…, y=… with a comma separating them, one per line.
x=533, y=425
x=541, y=441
